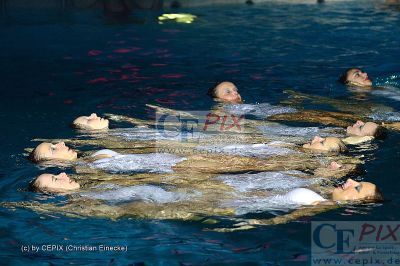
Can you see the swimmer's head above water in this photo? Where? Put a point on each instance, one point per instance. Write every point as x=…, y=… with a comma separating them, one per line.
x=354, y=191
x=355, y=77
x=54, y=183
x=49, y=152
x=366, y=129
x=330, y=144
x=92, y=122
x=350, y=191
x=225, y=92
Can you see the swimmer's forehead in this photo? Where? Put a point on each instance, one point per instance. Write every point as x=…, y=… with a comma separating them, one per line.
x=368, y=184
x=81, y=120
x=353, y=71
x=370, y=124
x=43, y=178
x=44, y=146
x=226, y=85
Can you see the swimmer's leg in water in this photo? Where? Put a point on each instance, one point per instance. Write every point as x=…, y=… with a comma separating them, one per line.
x=248, y=224
x=354, y=107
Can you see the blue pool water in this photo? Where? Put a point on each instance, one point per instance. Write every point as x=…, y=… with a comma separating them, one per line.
x=54, y=68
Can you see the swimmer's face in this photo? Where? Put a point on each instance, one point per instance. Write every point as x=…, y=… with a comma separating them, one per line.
x=92, y=122
x=227, y=92
x=353, y=190
x=363, y=129
x=55, y=183
x=47, y=151
x=325, y=144
x=357, y=77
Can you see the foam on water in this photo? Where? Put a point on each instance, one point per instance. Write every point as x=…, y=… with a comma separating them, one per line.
x=135, y=163
x=249, y=150
x=305, y=132
x=389, y=92
x=143, y=134
x=258, y=204
x=276, y=181
x=385, y=116
x=146, y=193
x=261, y=110
x=284, y=189
x=392, y=81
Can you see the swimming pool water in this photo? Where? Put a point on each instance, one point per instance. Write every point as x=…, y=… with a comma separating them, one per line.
x=55, y=68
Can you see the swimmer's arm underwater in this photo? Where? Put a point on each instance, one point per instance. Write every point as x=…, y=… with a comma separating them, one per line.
x=164, y=110
x=355, y=107
x=318, y=117
x=140, y=122
x=283, y=219
x=130, y=120
x=84, y=207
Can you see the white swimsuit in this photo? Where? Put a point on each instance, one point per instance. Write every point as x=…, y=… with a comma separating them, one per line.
x=303, y=196
x=136, y=163
x=146, y=193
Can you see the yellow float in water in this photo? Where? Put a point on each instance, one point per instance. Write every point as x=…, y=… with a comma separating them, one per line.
x=180, y=18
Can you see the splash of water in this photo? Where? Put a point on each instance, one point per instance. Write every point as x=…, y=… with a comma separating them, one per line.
x=146, y=193
x=284, y=189
x=248, y=150
x=261, y=110
x=138, y=163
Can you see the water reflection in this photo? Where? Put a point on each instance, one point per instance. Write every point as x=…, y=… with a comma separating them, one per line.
x=51, y=10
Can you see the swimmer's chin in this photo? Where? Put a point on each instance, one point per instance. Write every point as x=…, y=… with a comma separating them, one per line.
x=239, y=101
x=359, y=85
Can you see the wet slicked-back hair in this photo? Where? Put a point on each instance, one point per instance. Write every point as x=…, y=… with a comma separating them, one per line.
x=377, y=197
x=35, y=157
x=34, y=186
x=79, y=126
x=343, y=77
x=380, y=133
x=341, y=147
x=212, y=92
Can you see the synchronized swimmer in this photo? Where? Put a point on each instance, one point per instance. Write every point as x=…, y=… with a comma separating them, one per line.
x=226, y=93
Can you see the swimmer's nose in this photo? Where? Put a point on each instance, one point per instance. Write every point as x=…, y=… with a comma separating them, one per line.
x=63, y=174
x=235, y=93
x=359, y=123
x=349, y=183
x=317, y=139
x=60, y=144
x=93, y=115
